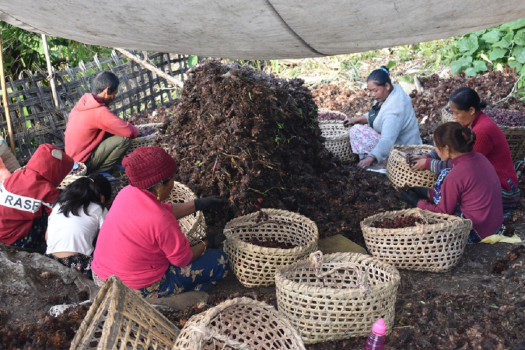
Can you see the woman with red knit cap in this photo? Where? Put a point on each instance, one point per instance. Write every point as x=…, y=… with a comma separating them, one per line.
x=26, y=197
x=141, y=241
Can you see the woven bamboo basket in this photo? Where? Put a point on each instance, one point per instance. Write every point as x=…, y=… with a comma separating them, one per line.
x=337, y=296
x=255, y=265
x=337, y=139
x=435, y=245
x=240, y=323
x=515, y=135
x=193, y=225
x=147, y=140
x=399, y=172
x=446, y=116
x=69, y=179
x=119, y=318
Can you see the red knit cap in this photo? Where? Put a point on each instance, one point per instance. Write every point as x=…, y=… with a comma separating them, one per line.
x=148, y=166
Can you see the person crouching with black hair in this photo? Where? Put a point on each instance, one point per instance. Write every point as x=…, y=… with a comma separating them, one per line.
x=76, y=218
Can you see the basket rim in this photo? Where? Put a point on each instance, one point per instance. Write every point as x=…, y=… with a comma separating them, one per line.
x=218, y=309
x=147, y=137
x=270, y=251
x=282, y=280
x=234, y=239
x=328, y=110
x=400, y=148
x=150, y=124
x=408, y=231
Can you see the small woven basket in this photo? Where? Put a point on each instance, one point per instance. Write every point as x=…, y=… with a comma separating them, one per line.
x=337, y=296
x=120, y=319
x=399, y=172
x=435, y=245
x=255, y=265
x=515, y=135
x=240, y=323
x=69, y=179
x=446, y=116
x=337, y=139
x=193, y=225
x=147, y=140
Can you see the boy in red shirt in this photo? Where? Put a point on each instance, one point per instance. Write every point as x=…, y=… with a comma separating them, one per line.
x=94, y=135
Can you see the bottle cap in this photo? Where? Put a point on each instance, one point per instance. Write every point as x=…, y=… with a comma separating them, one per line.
x=379, y=327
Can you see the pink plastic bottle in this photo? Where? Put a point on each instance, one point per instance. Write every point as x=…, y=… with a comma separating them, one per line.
x=376, y=339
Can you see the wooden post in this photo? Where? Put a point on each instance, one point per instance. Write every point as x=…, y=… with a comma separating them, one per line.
x=4, y=100
x=151, y=67
x=50, y=70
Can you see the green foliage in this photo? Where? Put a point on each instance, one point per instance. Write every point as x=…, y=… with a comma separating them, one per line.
x=499, y=46
x=23, y=50
x=192, y=61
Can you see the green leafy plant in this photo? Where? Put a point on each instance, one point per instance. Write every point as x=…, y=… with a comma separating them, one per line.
x=499, y=46
x=192, y=61
x=22, y=50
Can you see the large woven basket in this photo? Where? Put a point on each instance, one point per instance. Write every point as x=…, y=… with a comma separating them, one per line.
x=69, y=179
x=193, y=225
x=255, y=265
x=515, y=135
x=146, y=140
x=240, y=323
x=120, y=319
x=336, y=137
x=337, y=296
x=435, y=245
x=399, y=172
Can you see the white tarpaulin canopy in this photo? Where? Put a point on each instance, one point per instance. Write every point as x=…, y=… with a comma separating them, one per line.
x=257, y=29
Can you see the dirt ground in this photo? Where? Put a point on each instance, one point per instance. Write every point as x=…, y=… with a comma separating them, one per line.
x=473, y=306
x=479, y=304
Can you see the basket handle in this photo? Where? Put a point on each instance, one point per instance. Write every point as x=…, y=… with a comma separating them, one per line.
x=208, y=334
x=315, y=262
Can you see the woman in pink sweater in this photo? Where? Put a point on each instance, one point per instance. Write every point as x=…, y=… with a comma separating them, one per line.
x=141, y=241
x=470, y=189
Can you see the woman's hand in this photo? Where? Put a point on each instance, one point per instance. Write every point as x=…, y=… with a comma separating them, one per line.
x=358, y=120
x=365, y=163
x=348, y=122
x=199, y=249
x=419, y=164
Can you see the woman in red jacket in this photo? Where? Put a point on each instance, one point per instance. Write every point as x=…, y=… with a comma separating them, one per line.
x=26, y=197
x=466, y=107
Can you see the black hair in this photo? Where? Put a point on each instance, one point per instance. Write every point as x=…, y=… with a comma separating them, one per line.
x=453, y=134
x=105, y=80
x=163, y=182
x=380, y=76
x=83, y=191
x=465, y=97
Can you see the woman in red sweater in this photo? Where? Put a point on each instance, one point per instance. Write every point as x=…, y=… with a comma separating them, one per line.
x=466, y=107
x=470, y=188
